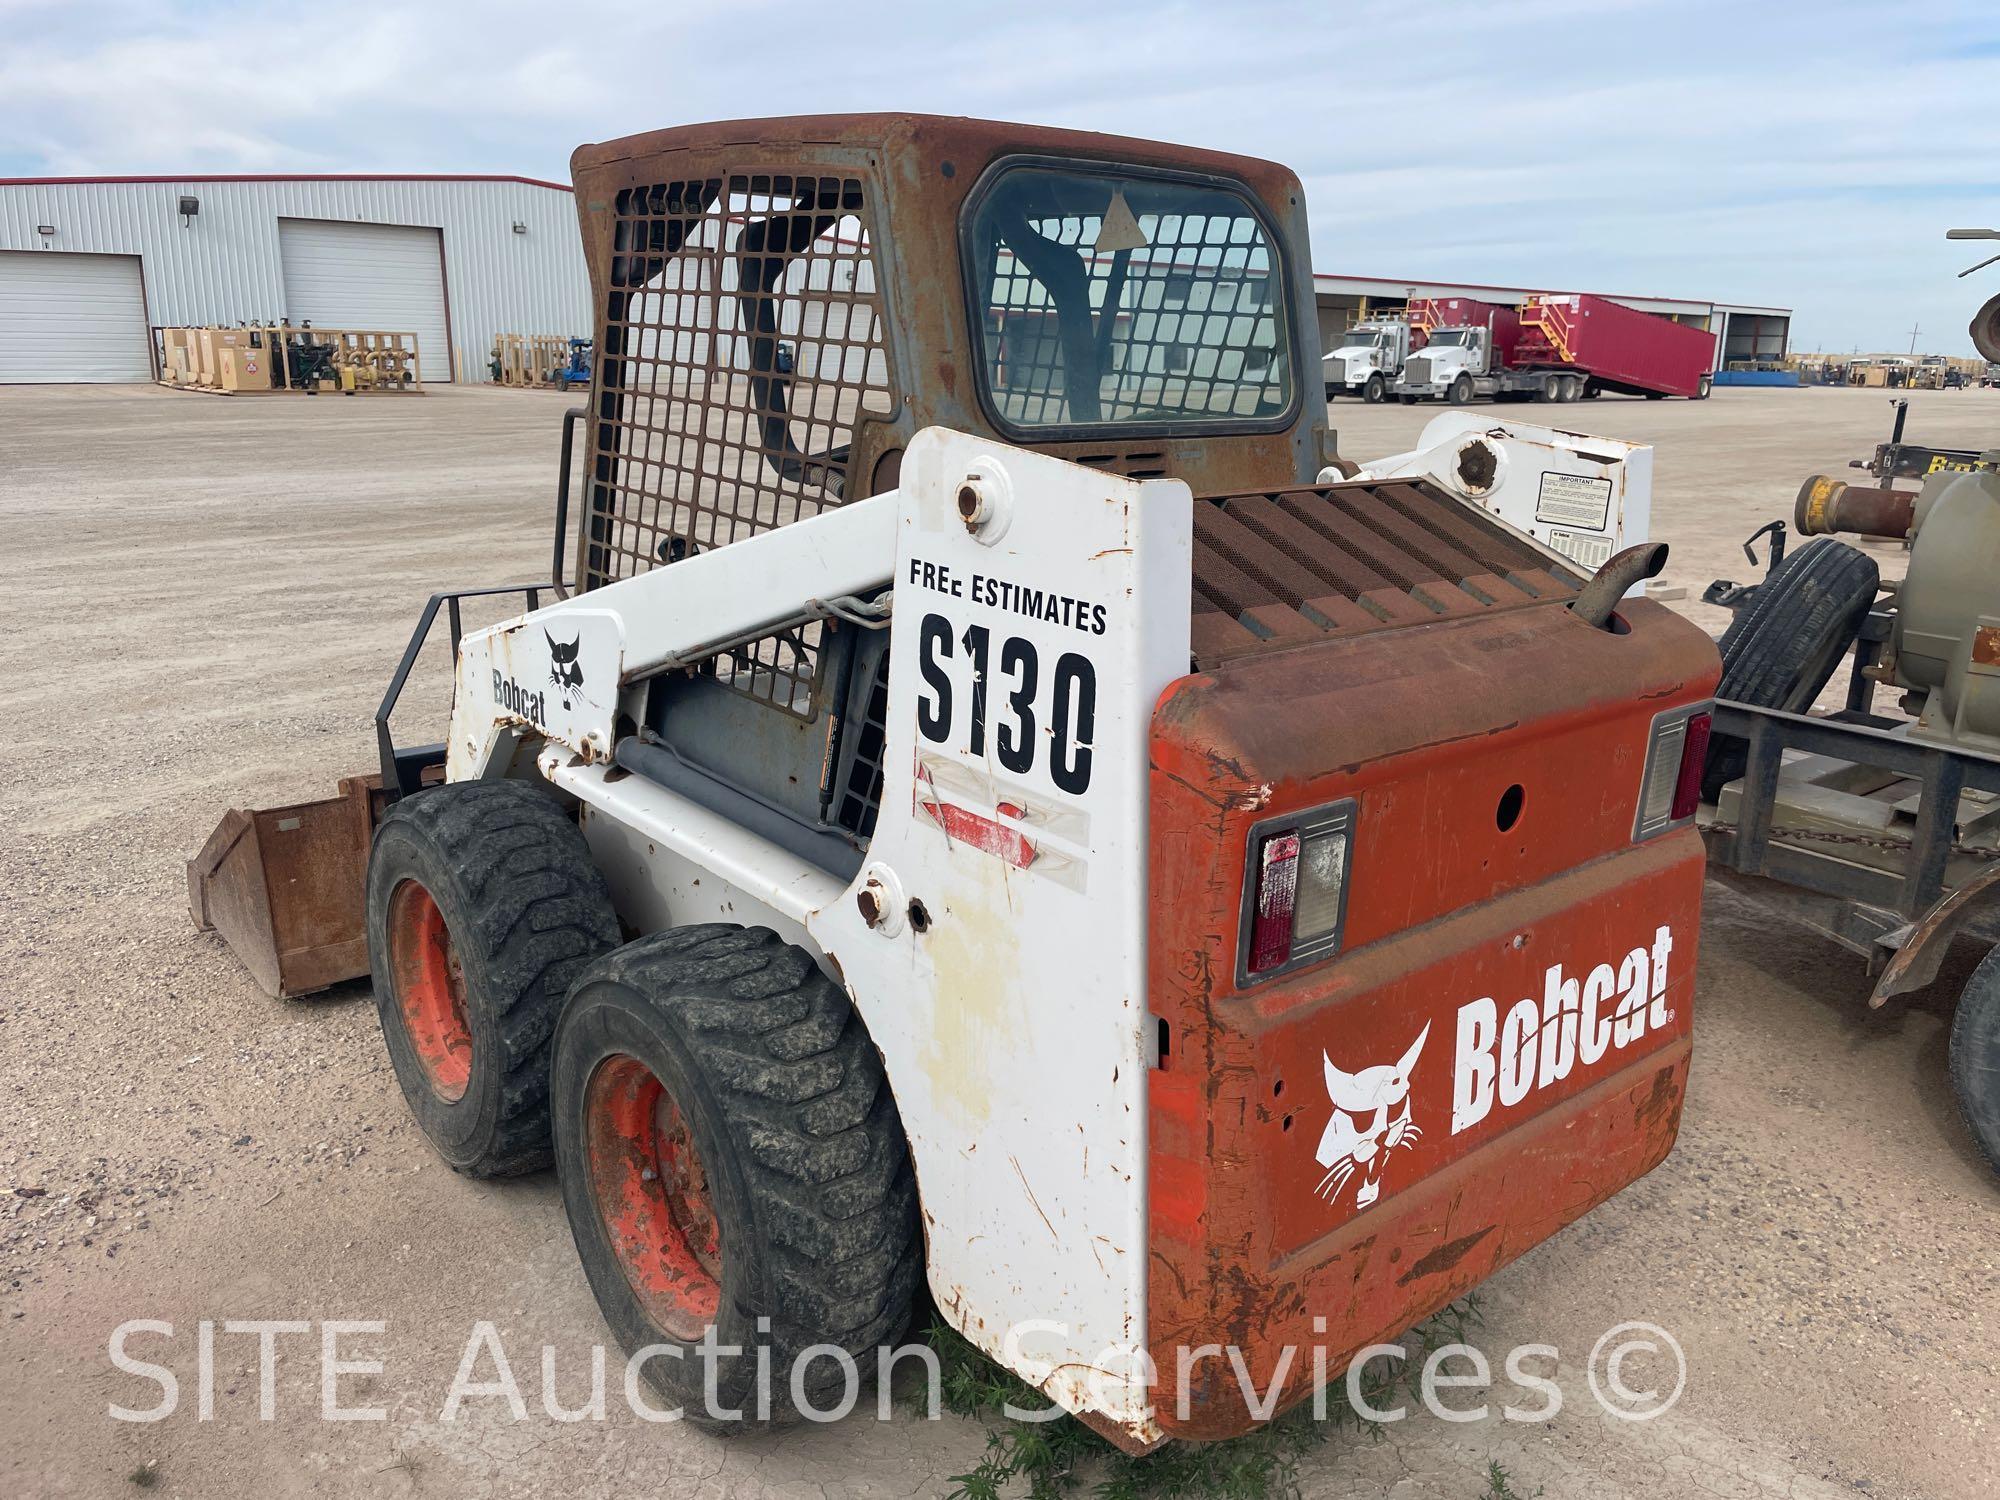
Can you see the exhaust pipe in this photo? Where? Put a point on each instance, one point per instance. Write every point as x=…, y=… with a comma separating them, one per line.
x=1610, y=583
x=1827, y=505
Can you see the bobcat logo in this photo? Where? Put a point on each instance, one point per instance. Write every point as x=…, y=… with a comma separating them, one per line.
x=1371, y=1118
x=563, y=670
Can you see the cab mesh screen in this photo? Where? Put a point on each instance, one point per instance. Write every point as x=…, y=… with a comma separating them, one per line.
x=741, y=338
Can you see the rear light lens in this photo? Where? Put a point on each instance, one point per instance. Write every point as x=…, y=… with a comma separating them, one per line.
x=1671, y=789
x=1277, y=896
x=1694, y=753
x=1298, y=884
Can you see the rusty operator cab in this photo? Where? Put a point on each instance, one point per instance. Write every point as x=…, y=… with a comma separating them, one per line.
x=1421, y=891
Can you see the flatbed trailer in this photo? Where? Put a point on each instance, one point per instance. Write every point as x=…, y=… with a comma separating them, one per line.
x=1886, y=843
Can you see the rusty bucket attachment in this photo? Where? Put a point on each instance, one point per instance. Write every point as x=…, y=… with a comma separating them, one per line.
x=285, y=887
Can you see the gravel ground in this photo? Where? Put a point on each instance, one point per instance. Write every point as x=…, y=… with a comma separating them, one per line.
x=207, y=596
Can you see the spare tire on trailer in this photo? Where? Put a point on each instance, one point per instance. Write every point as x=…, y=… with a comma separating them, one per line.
x=1974, y=1057
x=1784, y=645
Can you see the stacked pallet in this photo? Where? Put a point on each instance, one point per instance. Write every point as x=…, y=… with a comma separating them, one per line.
x=266, y=359
x=529, y=361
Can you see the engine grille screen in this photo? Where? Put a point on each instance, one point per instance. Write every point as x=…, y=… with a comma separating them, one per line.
x=1274, y=569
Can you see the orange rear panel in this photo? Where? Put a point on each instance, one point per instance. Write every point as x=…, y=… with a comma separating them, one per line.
x=1502, y=1042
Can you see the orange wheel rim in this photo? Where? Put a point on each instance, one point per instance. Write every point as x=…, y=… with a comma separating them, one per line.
x=652, y=1194
x=430, y=989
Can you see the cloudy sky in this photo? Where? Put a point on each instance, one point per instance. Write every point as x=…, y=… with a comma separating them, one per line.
x=1806, y=153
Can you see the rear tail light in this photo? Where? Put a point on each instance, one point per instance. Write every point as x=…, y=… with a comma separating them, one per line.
x=1277, y=897
x=1297, y=889
x=1694, y=754
x=1671, y=788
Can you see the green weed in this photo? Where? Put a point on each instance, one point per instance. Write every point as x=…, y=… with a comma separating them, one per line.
x=1059, y=1457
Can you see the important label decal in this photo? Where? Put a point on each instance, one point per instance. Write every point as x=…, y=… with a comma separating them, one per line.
x=1574, y=500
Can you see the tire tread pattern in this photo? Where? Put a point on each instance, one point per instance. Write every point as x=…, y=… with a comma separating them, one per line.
x=541, y=914
x=807, y=1109
x=1782, y=649
x=1973, y=1058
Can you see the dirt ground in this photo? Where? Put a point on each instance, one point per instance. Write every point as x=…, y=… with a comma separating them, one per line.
x=206, y=597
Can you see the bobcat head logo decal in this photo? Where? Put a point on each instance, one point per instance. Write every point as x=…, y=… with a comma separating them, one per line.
x=563, y=670
x=1371, y=1118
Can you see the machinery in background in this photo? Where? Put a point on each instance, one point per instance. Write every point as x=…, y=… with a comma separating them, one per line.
x=539, y=361
x=265, y=358
x=1879, y=830
x=576, y=369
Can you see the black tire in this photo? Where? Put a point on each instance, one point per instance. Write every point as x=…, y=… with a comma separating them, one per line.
x=519, y=909
x=1781, y=649
x=1550, y=389
x=807, y=1204
x=1461, y=390
x=1974, y=1058
x=1701, y=391
x=1376, y=391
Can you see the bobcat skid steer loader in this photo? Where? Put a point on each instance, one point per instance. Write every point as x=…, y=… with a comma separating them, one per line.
x=981, y=808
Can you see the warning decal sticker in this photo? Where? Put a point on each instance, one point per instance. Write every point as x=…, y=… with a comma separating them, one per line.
x=1574, y=500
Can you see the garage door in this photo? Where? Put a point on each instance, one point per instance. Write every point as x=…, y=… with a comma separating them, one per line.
x=383, y=276
x=67, y=317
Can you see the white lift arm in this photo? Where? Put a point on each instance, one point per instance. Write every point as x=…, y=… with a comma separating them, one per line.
x=559, y=672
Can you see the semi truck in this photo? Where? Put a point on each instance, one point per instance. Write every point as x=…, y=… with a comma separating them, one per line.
x=1367, y=359
x=1554, y=347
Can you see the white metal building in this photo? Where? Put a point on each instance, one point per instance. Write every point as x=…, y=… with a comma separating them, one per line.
x=89, y=265
x=1744, y=333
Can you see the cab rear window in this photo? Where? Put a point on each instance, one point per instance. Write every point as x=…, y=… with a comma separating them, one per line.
x=1107, y=300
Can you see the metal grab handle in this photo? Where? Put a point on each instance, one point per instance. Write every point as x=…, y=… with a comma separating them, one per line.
x=570, y=418
x=393, y=781
x=1775, y=530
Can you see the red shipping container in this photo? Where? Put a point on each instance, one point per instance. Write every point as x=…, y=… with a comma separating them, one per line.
x=1623, y=348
